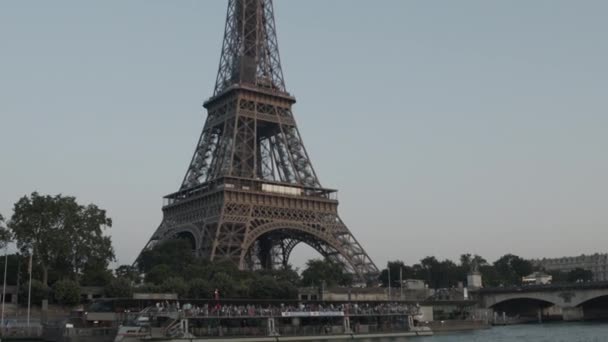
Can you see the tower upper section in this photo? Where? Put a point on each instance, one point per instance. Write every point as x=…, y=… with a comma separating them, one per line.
x=250, y=52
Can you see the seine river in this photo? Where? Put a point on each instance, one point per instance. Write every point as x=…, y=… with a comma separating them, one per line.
x=555, y=332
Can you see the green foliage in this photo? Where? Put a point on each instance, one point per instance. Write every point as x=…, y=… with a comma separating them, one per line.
x=175, y=253
x=119, y=288
x=167, y=264
x=64, y=235
x=579, y=275
x=225, y=284
x=441, y=274
x=96, y=273
x=200, y=289
x=175, y=285
x=39, y=292
x=159, y=273
x=147, y=288
x=490, y=276
x=470, y=263
x=506, y=271
x=264, y=287
x=287, y=290
x=226, y=267
x=268, y=287
x=5, y=234
x=12, y=268
x=286, y=274
x=331, y=273
x=407, y=272
x=127, y=272
x=512, y=268
x=66, y=292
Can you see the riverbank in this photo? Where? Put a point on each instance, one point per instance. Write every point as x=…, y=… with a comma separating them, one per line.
x=307, y=338
x=457, y=325
x=554, y=331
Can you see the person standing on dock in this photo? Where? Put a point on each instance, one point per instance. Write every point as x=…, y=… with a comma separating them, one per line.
x=216, y=298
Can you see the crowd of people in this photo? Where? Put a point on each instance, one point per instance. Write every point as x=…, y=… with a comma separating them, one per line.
x=218, y=309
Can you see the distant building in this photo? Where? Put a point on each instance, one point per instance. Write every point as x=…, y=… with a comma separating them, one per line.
x=413, y=284
x=343, y=294
x=596, y=263
x=537, y=278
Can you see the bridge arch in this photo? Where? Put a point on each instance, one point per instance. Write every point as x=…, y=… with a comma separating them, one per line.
x=494, y=299
x=594, y=308
x=527, y=308
x=532, y=298
x=580, y=298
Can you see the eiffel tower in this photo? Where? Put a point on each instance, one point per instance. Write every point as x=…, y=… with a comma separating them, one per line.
x=250, y=194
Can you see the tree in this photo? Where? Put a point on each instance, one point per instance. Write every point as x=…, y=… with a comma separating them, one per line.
x=96, y=273
x=579, y=275
x=287, y=290
x=39, y=292
x=5, y=234
x=265, y=287
x=512, y=268
x=332, y=273
x=13, y=259
x=175, y=285
x=66, y=292
x=200, y=289
x=558, y=277
x=490, y=277
x=175, y=253
x=225, y=284
x=469, y=263
x=283, y=274
x=119, y=288
x=440, y=274
x=159, y=273
x=60, y=232
x=148, y=288
x=396, y=267
x=127, y=272
x=12, y=268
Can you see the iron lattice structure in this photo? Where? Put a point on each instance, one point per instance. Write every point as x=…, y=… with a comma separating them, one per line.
x=250, y=194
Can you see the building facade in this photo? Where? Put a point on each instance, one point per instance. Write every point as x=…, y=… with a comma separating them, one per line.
x=596, y=263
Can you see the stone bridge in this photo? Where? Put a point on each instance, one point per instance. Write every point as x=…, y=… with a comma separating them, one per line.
x=570, y=301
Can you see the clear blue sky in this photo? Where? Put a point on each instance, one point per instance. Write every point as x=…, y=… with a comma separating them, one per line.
x=448, y=126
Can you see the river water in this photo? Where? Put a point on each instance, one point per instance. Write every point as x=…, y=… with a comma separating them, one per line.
x=550, y=332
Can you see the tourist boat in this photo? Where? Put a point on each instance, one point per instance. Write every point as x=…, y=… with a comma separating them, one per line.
x=251, y=323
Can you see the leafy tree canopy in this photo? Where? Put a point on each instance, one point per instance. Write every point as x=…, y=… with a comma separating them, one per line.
x=127, y=272
x=63, y=234
x=96, y=273
x=5, y=234
x=506, y=271
x=200, y=289
x=511, y=268
x=175, y=285
x=331, y=273
x=579, y=275
x=67, y=292
x=39, y=292
x=11, y=269
x=119, y=288
x=175, y=253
